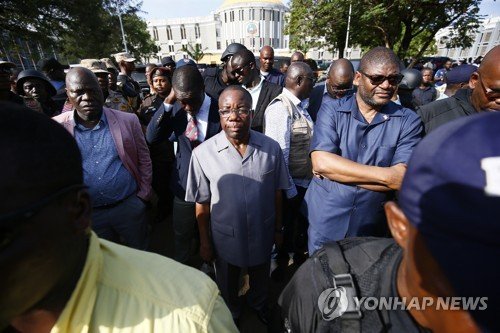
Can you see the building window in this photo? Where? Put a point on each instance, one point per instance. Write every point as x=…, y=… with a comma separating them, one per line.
x=231, y=16
x=225, y=17
x=169, y=33
x=183, y=32
x=272, y=15
x=217, y=32
x=170, y=48
x=155, y=33
x=218, y=46
x=197, y=30
x=279, y=16
x=262, y=14
x=252, y=42
x=252, y=14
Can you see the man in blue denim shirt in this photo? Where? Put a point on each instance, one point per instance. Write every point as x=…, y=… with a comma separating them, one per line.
x=359, y=151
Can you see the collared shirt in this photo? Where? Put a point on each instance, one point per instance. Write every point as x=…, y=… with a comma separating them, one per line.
x=279, y=125
x=338, y=210
x=255, y=92
x=241, y=192
x=123, y=290
x=201, y=117
x=103, y=170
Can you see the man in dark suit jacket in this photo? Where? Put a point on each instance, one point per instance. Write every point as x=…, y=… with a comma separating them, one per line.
x=263, y=92
x=188, y=116
x=266, y=59
x=338, y=84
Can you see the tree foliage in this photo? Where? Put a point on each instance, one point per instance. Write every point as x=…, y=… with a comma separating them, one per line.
x=195, y=52
x=407, y=26
x=78, y=28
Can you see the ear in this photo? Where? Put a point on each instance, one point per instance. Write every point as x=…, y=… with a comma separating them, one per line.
x=474, y=78
x=82, y=211
x=357, y=77
x=398, y=223
x=299, y=80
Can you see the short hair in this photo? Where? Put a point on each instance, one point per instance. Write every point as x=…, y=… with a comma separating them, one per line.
x=187, y=79
x=38, y=153
x=246, y=56
x=296, y=69
x=246, y=94
x=376, y=56
x=426, y=69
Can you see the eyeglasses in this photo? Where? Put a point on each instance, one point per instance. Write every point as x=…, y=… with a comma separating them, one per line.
x=18, y=218
x=489, y=93
x=313, y=79
x=225, y=113
x=337, y=91
x=376, y=80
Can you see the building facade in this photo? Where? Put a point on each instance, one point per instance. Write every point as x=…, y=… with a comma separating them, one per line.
x=251, y=23
x=487, y=37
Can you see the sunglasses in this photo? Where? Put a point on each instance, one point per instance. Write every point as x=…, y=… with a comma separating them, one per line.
x=376, y=80
x=489, y=93
x=225, y=113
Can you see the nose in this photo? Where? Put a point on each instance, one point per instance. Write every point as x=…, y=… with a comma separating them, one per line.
x=385, y=85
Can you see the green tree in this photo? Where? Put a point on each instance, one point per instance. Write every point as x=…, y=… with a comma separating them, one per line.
x=407, y=26
x=195, y=52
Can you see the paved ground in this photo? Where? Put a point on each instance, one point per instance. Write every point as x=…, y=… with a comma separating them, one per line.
x=162, y=243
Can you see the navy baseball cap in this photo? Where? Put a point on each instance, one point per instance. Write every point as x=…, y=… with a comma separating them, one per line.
x=460, y=74
x=184, y=62
x=451, y=194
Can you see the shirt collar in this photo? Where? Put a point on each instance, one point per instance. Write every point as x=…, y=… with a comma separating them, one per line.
x=325, y=91
x=257, y=87
x=103, y=121
x=204, y=109
x=223, y=143
x=294, y=99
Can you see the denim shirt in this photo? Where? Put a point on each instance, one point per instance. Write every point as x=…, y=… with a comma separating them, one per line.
x=103, y=171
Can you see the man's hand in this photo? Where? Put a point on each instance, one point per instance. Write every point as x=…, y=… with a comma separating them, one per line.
x=171, y=98
x=395, y=176
x=206, y=252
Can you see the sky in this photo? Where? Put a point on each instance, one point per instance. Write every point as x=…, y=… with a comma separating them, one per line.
x=160, y=9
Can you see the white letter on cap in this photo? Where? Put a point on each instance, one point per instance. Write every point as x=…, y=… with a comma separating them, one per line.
x=491, y=166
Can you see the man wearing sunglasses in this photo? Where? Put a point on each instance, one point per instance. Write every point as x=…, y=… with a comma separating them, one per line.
x=56, y=274
x=236, y=179
x=359, y=151
x=338, y=84
x=482, y=94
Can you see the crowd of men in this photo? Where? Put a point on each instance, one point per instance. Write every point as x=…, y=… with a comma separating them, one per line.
x=256, y=165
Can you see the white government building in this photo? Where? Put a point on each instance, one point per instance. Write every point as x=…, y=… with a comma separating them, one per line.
x=251, y=23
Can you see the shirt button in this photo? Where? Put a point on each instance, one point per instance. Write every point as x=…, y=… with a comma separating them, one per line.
x=99, y=178
x=96, y=162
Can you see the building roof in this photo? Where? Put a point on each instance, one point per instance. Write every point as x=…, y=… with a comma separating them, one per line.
x=230, y=3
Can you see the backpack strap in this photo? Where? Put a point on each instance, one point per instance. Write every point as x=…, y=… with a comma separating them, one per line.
x=332, y=260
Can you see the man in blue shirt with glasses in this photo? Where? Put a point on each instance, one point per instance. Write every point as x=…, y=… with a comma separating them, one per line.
x=359, y=151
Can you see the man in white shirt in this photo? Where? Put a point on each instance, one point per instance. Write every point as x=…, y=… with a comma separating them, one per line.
x=288, y=122
x=262, y=91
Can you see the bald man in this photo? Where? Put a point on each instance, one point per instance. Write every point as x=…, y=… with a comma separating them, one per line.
x=359, y=151
x=288, y=123
x=482, y=94
x=297, y=56
x=271, y=74
x=338, y=84
x=116, y=162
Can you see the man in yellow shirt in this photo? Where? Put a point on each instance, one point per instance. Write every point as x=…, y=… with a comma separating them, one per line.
x=57, y=275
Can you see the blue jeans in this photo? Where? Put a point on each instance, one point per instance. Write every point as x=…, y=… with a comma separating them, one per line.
x=125, y=222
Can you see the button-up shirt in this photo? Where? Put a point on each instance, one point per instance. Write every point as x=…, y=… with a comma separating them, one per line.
x=241, y=192
x=336, y=210
x=103, y=170
x=255, y=92
x=122, y=290
x=279, y=125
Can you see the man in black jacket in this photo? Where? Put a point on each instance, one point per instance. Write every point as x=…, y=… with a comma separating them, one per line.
x=483, y=94
x=263, y=92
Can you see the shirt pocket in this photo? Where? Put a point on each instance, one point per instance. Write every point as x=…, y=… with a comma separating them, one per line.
x=267, y=175
x=384, y=156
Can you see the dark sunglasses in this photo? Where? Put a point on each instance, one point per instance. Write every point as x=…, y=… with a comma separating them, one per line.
x=376, y=80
